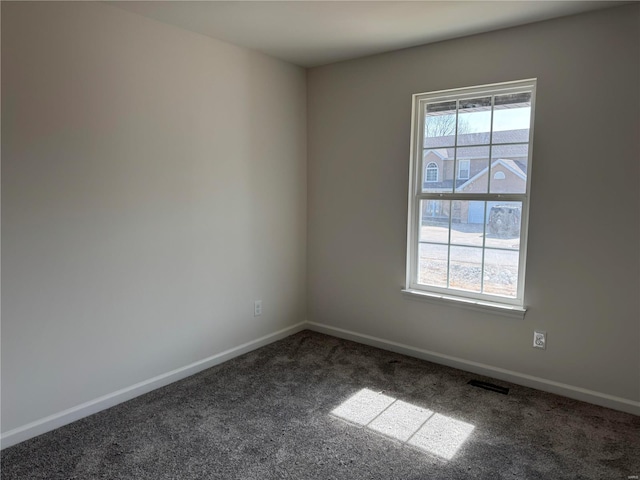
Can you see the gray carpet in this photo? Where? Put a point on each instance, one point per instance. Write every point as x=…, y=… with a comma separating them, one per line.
x=268, y=415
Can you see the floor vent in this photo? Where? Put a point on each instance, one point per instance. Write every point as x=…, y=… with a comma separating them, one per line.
x=489, y=386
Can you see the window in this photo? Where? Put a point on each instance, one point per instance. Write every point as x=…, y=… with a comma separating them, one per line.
x=467, y=233
x=464, y=167
x=431, y=172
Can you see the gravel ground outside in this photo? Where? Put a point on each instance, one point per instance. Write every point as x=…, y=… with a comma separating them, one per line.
x=500, y=266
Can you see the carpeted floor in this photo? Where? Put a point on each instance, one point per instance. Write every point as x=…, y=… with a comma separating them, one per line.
x=317, y=407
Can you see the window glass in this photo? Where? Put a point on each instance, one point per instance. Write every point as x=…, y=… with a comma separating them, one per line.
x=467, y=238
x=511, y=118
x=474, y=121
x=440, y=125
x=473, y=163
x=509, y=163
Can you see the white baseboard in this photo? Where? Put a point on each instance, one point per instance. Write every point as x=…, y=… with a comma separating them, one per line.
x=70, y=415
x=65, y=417
x=577, y=393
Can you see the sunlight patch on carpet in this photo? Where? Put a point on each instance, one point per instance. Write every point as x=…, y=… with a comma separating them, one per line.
x=413, y=425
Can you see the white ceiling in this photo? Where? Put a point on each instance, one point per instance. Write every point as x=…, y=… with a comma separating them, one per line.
x=312, y=33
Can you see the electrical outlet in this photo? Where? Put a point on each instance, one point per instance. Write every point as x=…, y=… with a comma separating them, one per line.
x=257, y=308
x=540, y=339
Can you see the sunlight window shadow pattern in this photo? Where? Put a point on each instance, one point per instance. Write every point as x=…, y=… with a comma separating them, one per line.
x=413, y=425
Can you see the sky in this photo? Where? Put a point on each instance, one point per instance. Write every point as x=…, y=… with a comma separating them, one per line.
x=503, y=119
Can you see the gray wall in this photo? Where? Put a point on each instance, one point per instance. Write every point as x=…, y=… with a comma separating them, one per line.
x=582, y=283
x=153, y=186
x=154, y=183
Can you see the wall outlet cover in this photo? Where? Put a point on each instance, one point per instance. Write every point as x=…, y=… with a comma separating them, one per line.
x=540, y=339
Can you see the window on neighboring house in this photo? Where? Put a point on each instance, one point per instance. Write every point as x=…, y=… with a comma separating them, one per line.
x=431, y=172
x=467, y=236
x=464, y=167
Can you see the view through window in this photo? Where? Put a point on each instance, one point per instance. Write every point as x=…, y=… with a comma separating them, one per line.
x=469, y=191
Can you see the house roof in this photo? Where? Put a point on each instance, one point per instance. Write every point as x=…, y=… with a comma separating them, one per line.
x=508, y=151
x=512, y=165
x=503, y=136
x=444, y=185
x=516, y=154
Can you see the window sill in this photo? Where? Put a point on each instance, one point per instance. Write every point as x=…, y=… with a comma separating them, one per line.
x=478, y=305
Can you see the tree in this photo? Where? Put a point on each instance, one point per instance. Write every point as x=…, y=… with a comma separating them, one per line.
x=444, y=125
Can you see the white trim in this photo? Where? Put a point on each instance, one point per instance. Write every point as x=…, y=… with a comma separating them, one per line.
x=419, y=102
x=72, y=414
x=577, y=393
x=506, y=310
x=473, y=91
x=51, y=422
x=438, y=152
x=415, y=164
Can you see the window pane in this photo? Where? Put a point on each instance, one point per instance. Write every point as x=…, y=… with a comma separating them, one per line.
x=434, y=221
x=504, y=221
x=511, y=118
x=440, y=124
x=474, y=121
x=466, y=222
x=466, y=268
x=501, y=272
x=478, y=160
x=509, y=168
x=432, y=264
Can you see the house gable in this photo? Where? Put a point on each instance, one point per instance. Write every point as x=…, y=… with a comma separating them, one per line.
x=515, y=179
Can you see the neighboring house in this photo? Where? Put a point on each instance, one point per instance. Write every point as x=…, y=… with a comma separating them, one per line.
x=506, y=173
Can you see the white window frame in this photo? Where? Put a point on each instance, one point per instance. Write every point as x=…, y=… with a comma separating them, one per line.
x=426, y=169
x=507, y=305
x=468, y=169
